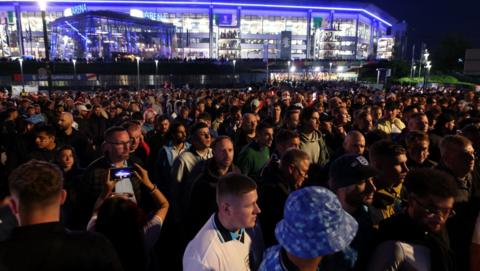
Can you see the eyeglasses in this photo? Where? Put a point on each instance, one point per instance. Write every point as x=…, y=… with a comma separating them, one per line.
x=443, y=212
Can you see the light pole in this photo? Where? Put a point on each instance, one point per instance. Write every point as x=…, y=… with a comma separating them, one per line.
x=234, y=62
x=74, y=62
x=427, y=67
x=138, y=73
x=156, y=74
x=330, y=67
x=20, y=60
x=289, y=63
x=43, y=8
x=292, y=69
x=378, y=76
x=414, y=68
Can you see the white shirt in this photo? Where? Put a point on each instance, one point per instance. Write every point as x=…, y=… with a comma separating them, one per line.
x=209, y=251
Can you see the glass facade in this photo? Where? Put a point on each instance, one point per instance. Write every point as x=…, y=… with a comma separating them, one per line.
x=200, y=30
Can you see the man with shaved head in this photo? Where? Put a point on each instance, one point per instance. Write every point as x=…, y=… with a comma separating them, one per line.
x=67, y=135
x=354, y=143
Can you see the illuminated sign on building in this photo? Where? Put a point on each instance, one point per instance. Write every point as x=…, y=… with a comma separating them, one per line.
x=154, y=16
x=75, y=10
x=223, y=19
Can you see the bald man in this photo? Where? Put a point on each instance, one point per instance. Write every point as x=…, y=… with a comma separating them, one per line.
x=354, y=143
x=67, y=135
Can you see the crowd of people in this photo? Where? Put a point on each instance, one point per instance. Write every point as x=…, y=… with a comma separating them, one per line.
x=332, y=176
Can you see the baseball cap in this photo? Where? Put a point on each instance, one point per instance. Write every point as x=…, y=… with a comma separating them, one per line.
x=314, y=224
x=350, y=169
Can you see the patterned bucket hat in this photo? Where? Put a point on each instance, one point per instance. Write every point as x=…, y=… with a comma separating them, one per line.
x=314, y=224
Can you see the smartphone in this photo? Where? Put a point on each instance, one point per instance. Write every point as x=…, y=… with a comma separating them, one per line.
x=121, y=173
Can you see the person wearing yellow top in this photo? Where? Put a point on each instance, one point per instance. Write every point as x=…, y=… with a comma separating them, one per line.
x=390, y=124
x=390, y=160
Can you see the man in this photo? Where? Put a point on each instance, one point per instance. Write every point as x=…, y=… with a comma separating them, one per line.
x=390, y=160
x=184, y=164
x=201, y=199
x=157, y=138
x=247, y=131
x=139, y=149
x=223, y=243
x=351, y=178
x=255, y=155
x=312, y=141
x=37, y=195
x=45, y=143
x=116, y=150
x=417, y=150
x=313, y=227
x=390, y=124
x=292, y=118
x=458, y=161
x=284, y=140
x=167, y=155
x=276, y=187
x=424, y=246
x=354, y=143
x=69, y=136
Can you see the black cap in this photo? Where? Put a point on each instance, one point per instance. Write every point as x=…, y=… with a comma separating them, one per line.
x=350, y=169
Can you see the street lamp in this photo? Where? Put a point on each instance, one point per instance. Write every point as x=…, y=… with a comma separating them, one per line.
x=289, y=62
x=74, y=62
x=20, y=60
x=330, y=66
x=156, y=74
x=234, y=62
x=138, y=73
x=414, y=67
x=427, y=67
x=43, y=8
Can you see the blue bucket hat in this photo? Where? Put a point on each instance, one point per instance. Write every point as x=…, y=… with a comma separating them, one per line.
x=314, y=224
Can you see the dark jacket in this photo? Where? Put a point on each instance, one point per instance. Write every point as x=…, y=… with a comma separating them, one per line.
x=273, y=193
x=50, y=246
x=201, y=202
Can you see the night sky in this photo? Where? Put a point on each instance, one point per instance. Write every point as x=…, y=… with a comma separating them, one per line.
x=430, y=20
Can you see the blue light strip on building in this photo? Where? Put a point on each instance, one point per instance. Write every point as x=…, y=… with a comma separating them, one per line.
x=216, y=4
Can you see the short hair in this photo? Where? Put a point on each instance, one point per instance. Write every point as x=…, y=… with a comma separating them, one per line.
x=107, y=135
x=197, y=126
x=385, y=149
x=234, y=184
x=36, y=182
x=45, y=128
x=131, y=124
x=264, y=125
x=428, y=181
x=285, y=135
x=160, y=118
x=418, y=115
x=307, y=114
x=416, y=136
x=204, y=116
x=450, y=142
x=294, y=156
x=219, y=139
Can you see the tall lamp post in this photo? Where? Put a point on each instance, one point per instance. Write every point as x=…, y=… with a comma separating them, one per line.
x=289, y=63
x=427, y=67
x=74, y=62
x=20, y=60
x=156, y=74
x=43, y=8
x=233, y=75
x=138, y=73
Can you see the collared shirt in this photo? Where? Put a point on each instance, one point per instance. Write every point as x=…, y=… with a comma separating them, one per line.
x=214, y=249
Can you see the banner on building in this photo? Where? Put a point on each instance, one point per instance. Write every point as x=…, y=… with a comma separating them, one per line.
x=286, y=45
x=223, y=19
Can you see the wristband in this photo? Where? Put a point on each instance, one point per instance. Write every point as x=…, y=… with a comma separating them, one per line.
x=154, y=188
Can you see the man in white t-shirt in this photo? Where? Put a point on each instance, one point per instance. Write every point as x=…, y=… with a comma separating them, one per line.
x=223, y=243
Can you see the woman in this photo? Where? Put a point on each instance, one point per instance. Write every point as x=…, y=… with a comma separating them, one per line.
x=119, y=219
x=72, y=176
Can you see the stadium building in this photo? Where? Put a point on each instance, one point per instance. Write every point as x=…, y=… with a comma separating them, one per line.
x=242, y=29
